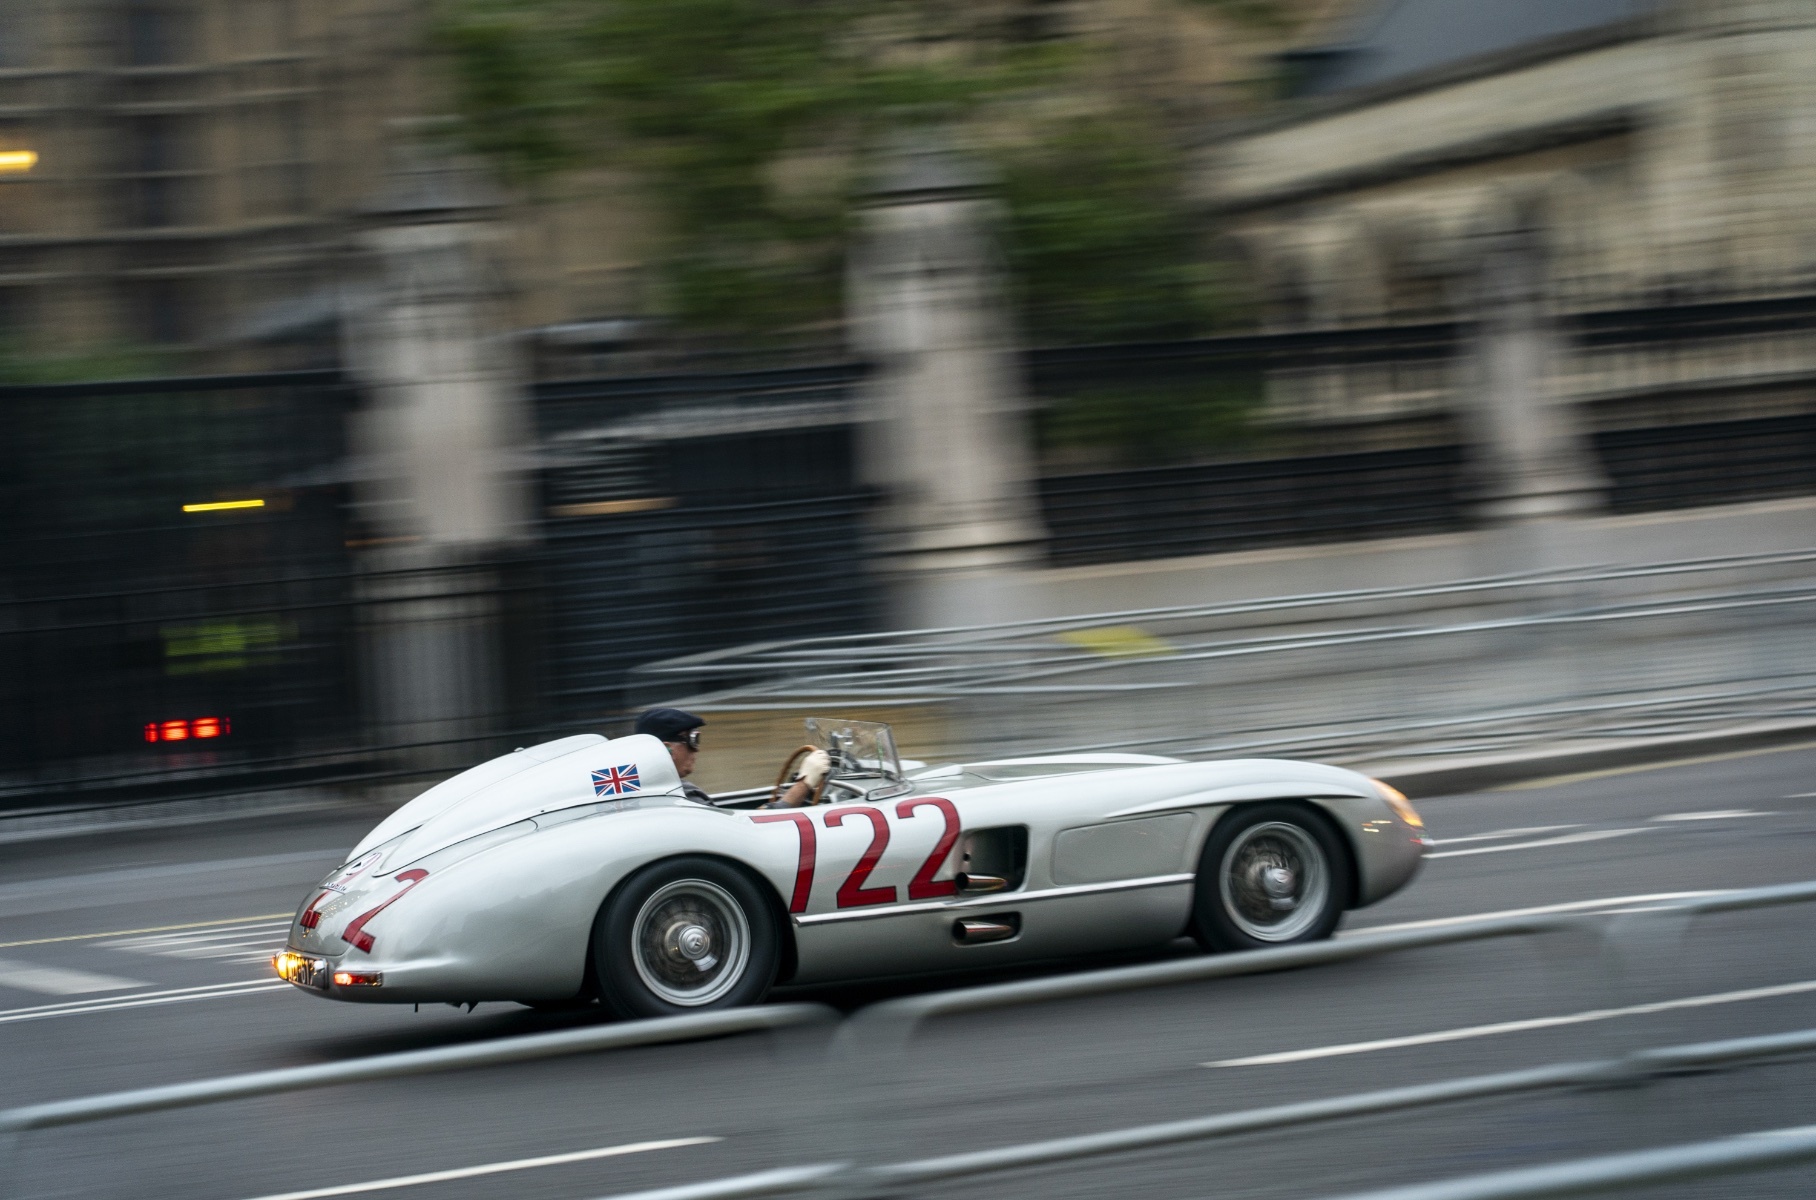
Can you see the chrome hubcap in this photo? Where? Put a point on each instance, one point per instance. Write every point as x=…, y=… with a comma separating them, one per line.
x=1274, y=881
x=691, y=942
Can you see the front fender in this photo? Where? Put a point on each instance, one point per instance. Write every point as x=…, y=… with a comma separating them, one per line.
x=1387, y=850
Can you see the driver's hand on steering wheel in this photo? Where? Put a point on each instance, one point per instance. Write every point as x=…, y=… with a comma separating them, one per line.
x=809, y=779
x=814, y=770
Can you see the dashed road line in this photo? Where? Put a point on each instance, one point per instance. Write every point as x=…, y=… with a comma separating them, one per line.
x=1505, y=833
x=247, y=942
x=58, y=981
x=1568, y=839
x=79, y=1008
x=494, y=1168
x=1720, y=814
x=114, y=933
x=1626, y=903
x=1476, y=1031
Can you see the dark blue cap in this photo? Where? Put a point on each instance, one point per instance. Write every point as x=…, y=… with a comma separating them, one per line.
x=667, y=724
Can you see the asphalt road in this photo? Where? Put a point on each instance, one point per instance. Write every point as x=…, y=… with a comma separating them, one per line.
x=136, y=959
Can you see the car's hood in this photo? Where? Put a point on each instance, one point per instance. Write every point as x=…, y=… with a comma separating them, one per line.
x=560, y=774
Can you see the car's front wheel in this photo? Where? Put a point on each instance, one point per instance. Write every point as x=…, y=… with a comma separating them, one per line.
x=685, y=935
x=1270, y=875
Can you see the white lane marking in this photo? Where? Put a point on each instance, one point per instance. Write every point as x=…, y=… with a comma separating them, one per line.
x=495, y=1168
x=1718, y=814
x=1541, y=910
x=86, y=937
x=1568, y=839
x=240, y=942
x=1505, y=833
x=77, y=1008
x=58, y=981
x=1476, y=1031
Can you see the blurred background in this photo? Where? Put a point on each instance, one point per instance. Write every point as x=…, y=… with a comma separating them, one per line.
x=1422, y=385
x=390, y=383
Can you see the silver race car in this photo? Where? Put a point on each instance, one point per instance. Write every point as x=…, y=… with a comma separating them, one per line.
x=576, y=870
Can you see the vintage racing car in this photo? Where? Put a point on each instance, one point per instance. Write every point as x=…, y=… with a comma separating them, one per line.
x=576, y=870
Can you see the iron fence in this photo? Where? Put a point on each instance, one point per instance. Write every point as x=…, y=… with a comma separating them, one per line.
x=259, y=684
x=1205, y=508
x=1688, y=403
x=697, y=511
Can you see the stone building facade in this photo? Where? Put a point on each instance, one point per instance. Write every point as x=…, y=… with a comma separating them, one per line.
x=203, y=167
x=1651, y=151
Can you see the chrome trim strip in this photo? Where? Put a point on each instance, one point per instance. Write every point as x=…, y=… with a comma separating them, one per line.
x=994, y=899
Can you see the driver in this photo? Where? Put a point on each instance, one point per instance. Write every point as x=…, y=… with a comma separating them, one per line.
x=679, y=731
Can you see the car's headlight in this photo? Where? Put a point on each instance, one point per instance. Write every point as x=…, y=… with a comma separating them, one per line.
x=1396, y=800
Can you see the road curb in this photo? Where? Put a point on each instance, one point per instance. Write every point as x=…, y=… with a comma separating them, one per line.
x=1424, y=780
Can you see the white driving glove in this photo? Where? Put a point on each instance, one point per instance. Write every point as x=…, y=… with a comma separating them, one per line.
x=815, y=768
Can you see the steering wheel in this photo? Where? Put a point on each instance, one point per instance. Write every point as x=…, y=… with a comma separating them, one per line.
x=787, y=775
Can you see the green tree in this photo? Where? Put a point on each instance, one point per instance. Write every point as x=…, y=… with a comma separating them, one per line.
x=749, y=120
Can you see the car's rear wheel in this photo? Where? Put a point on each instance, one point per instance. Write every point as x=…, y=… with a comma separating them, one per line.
x=1270, y=875
x=685, y=935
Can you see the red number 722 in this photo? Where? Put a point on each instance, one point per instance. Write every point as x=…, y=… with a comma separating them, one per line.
x=853, y=893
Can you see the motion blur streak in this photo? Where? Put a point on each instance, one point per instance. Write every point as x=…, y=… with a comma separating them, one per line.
x=496, y=1168
x=78, y=1008
x=1476, y=1031
x=84, y=937
x=1536, y=911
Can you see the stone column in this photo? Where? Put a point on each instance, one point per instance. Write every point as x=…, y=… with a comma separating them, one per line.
x=1531, y=459
x=438, y=440
x=944, y=431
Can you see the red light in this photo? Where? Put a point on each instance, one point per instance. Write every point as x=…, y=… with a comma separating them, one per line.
x=358, y=979
x=182, y=731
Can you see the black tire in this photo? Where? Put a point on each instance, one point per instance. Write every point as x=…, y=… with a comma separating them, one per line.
x=658, y=928
x=1270, y=875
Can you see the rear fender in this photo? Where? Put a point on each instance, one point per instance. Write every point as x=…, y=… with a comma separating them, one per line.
x=515, y=921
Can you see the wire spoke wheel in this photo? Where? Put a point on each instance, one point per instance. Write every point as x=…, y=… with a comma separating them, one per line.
x=691, y=942
x=1274, y=880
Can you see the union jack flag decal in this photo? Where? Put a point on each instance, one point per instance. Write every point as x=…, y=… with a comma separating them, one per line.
x=616, y=781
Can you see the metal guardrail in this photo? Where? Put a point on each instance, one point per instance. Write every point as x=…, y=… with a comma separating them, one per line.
x=412, y=1062
x=1465, y=667
x=1624, y=1070
x=892, y=1178
x=17, y=1121
x=880, y=1033
x=1724, y=1156
x=869, y=1044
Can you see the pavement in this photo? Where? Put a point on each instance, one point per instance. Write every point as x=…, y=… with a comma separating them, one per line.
x=138, y=957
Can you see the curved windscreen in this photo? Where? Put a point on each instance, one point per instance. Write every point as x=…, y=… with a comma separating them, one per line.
x=858, y=748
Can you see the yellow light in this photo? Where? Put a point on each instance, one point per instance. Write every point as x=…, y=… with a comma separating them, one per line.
x=1396, y=800
x=286, y=963
x=18, y=160
x=223, y=505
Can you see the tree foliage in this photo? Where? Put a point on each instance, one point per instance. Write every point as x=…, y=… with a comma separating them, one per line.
x=750, y=119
